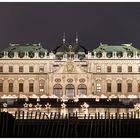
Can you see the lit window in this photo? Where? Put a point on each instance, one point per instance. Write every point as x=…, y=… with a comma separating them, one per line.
x=119, y=69
x=129, y=87
x=10, y=87
x=98, y=68
x=20, y=68
x=20, y=87
x=41, y=69
x=31, y=87
x=98, y=87
x=108, y=68
x=138, y=68
x=1, y=87
x=129, y=68
x=31, y=69
x=108, y=87
x=138, y=87
x=41, y=87
x=119, y=87
x=10, y=68
x=1, y=68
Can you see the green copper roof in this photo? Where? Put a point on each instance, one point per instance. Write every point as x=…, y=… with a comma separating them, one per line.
x=25, y=48
x=76, y=48
x=116, y=48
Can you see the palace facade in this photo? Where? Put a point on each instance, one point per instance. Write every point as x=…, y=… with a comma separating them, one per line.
x=70, y=71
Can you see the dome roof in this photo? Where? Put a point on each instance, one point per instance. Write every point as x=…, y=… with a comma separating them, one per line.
x=67, y=47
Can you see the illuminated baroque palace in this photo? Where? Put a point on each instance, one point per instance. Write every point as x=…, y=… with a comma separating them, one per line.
x=70, y=71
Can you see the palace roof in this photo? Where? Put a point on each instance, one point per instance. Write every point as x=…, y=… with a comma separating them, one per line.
x=116, y=48
x=22, y=49
x=25, y=48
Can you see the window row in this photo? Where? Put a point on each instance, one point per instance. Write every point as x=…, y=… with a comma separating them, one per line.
x=119, y=69
x=21, y=87
x=119, y=87
x=41, y=69
x=21, y=69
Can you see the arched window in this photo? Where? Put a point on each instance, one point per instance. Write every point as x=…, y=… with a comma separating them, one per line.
x=57, y=90
x=82, y=89
x=70, y=90
x=10, y=85
x=21, y=85
x=31, y=85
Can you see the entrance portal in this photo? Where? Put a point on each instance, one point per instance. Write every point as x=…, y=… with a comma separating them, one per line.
x=70, y=91
x=82, y=90
x=57, y=89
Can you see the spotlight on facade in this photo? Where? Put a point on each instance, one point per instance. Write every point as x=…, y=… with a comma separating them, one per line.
x=137, y=107
x=38, y=106
x=25, y=105
x=37, y=99
x=138, y=55
x=26, y=99
x=109, y=54
x=76, y=99
x=30, y=105
x=63, y=105
x=64, y=99
x=129, y=54
x=48, y=106
x=4, y=104
x=85, y=106
x=99, y=54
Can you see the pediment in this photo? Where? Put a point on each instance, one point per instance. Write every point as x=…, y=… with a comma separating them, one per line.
x=70, y=67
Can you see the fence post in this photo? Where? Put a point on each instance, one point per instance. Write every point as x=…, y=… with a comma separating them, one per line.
x=89, y=116
x=116, y=125
x=66, y=116
x=138, y=114
x=119, y=125
x=69, y=115
x=76, y=114
x=131, y=115
x=59, y=115
x=105, y=124
x=35, y=115
x=98, y=115
x=95, y=126
x=85, y=116
x=55, y=115
x=123, y=115
x=109, y=125
x=51, y=115
x=90, y=134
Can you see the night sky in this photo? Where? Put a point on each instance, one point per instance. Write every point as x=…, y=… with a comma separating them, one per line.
x=109, y=23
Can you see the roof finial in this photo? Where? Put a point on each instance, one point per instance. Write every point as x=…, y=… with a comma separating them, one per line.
x=76, y=38
x=64, y=38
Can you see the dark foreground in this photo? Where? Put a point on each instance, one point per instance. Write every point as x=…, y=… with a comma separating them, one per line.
x=125, y=125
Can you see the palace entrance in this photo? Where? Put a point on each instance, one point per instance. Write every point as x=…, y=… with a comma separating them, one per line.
x=82, y=89
x=57, y=90
x=70, y=91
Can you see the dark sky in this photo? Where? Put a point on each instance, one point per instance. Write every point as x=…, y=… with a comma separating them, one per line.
x=110, y=23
